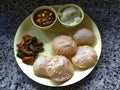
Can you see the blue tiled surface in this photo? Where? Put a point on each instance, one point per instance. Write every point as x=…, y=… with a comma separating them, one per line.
x=106, y=14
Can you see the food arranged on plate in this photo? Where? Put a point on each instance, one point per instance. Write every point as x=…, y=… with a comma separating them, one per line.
x=59, y=68
x=28, y=49
x=70, y=50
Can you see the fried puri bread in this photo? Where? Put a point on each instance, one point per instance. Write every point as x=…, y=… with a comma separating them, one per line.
x=85, y=57
x=59, y=69
x=39, y=66
x=64, y=45
x=84, y=36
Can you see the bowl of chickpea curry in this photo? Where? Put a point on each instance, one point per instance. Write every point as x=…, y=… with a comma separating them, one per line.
x=44, y=17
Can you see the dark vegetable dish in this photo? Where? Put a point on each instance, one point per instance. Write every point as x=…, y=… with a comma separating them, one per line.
x=28, y=48
x=44, y=17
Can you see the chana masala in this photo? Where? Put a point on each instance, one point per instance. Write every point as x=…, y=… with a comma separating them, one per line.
x=44, y=17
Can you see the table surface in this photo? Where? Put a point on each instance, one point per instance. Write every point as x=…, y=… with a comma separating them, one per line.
x=106, y=14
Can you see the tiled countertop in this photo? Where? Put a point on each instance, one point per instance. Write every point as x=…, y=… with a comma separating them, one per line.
x=106, y=14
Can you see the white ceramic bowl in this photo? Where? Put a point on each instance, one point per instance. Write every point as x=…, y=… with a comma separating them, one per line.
x=62, y=14
x=41, y=8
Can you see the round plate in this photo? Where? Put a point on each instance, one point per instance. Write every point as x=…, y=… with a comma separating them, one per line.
x=46, y=36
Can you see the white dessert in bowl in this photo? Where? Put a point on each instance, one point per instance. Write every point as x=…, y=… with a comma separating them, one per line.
x=70, y=15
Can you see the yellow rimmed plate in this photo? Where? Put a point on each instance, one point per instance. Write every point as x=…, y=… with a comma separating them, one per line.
x=46, y=36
